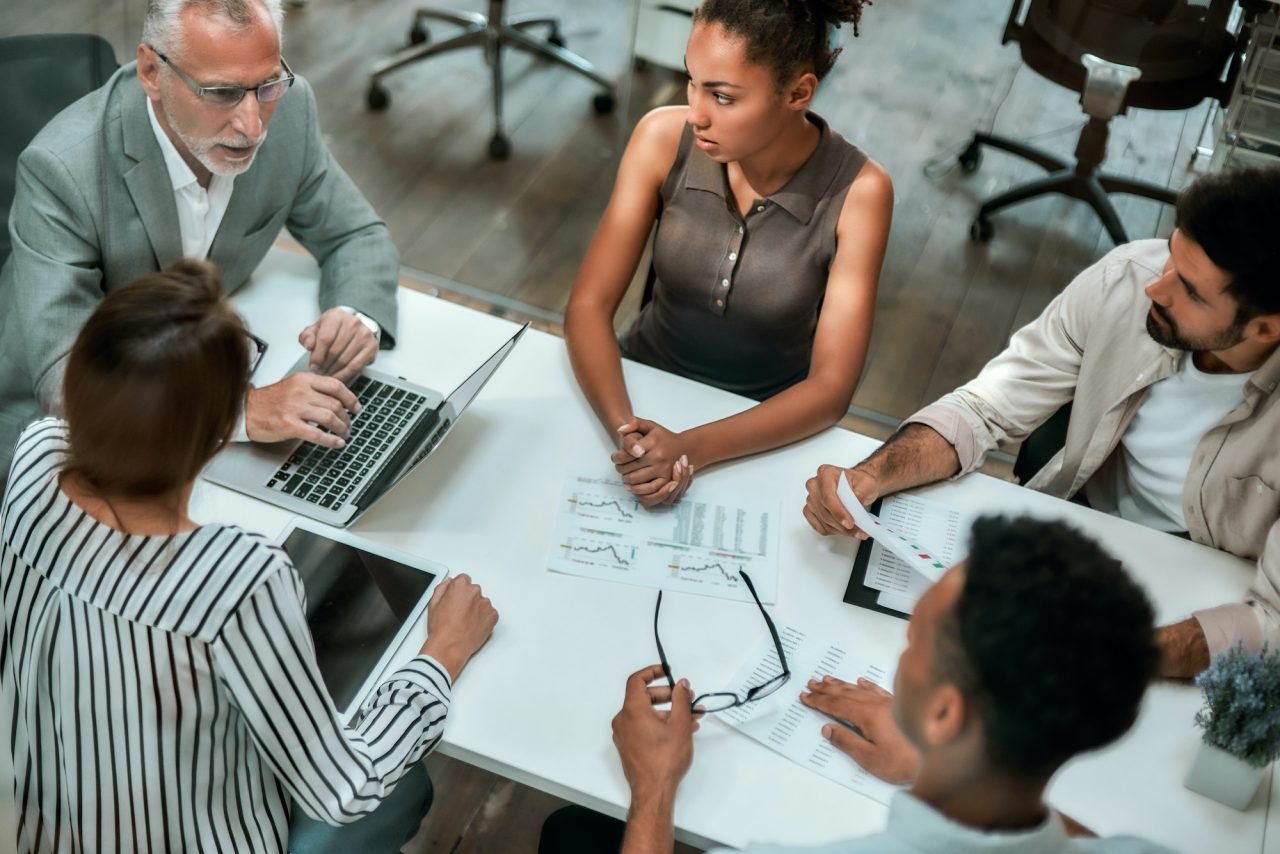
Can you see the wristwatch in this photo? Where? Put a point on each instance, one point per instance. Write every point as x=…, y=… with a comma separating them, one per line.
x=369, y=322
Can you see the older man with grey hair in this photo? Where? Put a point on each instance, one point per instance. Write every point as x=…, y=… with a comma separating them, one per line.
x=172, y=158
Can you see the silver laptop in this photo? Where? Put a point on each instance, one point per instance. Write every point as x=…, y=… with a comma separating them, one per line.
x=399, y=425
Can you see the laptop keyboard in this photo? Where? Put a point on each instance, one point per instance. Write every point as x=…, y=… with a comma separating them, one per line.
x=327, y=476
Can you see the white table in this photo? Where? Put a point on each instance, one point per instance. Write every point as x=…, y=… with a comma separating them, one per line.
x=536, y=703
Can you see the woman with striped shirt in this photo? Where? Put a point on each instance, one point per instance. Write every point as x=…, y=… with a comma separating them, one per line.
x=158, y=682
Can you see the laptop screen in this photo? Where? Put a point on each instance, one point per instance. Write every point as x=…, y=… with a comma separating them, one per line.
x=357, y=603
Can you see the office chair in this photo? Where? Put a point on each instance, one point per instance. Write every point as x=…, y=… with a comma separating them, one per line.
x=39, y=76
x=493, y=33
x=1149, y=54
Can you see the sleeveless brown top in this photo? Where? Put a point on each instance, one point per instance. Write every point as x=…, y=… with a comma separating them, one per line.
x=735, y=300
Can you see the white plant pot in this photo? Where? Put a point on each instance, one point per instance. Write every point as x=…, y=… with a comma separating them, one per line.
x=1217, y=774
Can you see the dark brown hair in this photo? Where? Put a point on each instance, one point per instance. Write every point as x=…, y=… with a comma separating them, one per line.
x=155, y=382
x=787, y=36
x=1231, y=216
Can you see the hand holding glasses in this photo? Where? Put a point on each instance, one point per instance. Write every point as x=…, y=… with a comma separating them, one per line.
x=721, y=701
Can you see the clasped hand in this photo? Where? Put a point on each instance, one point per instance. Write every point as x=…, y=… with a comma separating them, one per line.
x=653, y=462
x=315, y=406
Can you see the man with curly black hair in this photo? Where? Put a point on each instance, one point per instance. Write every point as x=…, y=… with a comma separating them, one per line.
x=1168, y=353
x=986, y=706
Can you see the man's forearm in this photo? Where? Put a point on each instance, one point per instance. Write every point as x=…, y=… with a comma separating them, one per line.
x=1184, y=650
x=650, y=824
x=913, y=456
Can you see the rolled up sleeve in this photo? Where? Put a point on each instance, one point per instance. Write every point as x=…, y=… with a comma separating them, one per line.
x=1256, y=620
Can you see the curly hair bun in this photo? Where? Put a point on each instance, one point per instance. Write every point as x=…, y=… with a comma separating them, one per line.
x=837, y=11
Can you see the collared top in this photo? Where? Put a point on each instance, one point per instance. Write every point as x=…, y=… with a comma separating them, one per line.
x=200, y=211
x=1090, y=346
x=916, y=828
x=162, y=693
x=736, y=299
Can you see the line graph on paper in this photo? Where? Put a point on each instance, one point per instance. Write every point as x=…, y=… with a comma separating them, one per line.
x=598, y=553
x=699, y=545
x=701, y=569
x=603, y=507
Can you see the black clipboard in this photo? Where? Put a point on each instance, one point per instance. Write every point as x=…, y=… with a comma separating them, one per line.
x=858, y=593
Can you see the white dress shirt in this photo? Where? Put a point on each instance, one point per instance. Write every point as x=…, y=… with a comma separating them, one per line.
x=200, y=211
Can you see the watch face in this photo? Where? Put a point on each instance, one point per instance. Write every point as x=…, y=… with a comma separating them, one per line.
x=369, y=322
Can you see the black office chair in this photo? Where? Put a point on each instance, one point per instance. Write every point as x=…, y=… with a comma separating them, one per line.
x=1042, y=445
x=1149, y=54
x=39, y=76
x=493, y=32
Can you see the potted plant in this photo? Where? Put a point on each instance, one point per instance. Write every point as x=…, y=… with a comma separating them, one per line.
x=1241, y=722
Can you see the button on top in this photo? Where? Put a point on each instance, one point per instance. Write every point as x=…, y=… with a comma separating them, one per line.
x=739, y=229
x=733, y=256
x=724, y=283
x=759, y=208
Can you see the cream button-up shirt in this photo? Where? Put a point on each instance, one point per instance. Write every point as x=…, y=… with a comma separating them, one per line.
x=1090, y=346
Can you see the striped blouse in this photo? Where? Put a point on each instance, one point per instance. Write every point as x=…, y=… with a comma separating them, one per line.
x=163, y=693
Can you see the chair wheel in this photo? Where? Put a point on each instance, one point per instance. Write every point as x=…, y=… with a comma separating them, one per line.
x=499, y=147
x=971, y=158
x=980, y=230
x=604, y=103
x=378, y=98
x=556, y=38
x=419, y=34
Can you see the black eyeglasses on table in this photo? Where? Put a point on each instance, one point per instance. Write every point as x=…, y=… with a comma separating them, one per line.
x=720, y=701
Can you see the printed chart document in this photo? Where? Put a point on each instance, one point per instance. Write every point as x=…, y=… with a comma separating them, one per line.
x=784, y=724
x=698, y=545
x=919, y=520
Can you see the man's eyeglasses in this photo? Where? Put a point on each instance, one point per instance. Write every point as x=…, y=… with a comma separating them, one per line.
x=257, y=349
x=229, y=96
x=721, y=701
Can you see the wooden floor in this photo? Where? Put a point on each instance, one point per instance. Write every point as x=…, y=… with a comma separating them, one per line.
x=910, y=91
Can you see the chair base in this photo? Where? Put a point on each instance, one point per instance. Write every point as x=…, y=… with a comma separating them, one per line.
x=493, y=33
x=1079, y=180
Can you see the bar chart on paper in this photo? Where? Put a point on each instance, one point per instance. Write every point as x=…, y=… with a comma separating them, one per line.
x=702, y=544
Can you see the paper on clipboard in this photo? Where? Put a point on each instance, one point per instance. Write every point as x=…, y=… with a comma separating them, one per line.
x=915, y=555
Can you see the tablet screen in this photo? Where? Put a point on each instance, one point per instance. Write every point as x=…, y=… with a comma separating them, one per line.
x=357, y=603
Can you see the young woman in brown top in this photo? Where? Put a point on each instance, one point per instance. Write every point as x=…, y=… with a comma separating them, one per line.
x=771, y=232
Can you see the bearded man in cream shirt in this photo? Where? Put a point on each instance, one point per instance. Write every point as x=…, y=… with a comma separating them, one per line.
x=172, y=158
x=1169, y=353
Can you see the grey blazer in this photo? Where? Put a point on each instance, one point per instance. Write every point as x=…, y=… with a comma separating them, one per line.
x=93, y=210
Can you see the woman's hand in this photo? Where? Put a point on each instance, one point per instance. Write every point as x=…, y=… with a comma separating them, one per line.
x=653, y=462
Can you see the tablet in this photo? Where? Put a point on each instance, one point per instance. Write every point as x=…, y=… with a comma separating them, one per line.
x=364, y=602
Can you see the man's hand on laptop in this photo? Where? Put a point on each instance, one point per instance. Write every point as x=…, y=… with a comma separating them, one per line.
x=459, y=621
x=340, y=344
x=297, y=407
